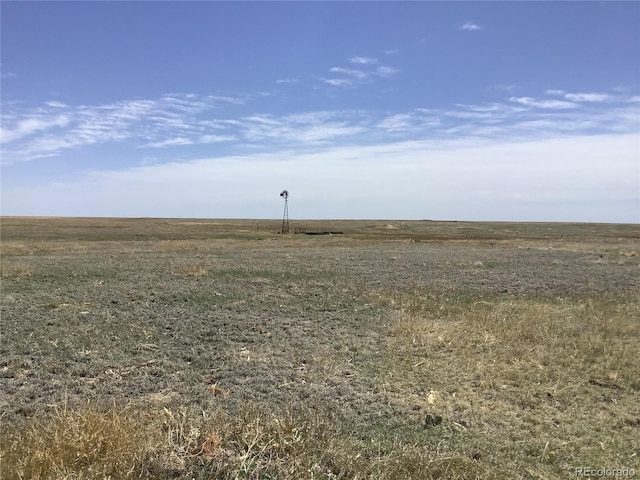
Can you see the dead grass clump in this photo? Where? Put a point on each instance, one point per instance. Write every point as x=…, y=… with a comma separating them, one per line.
x=190, y=271
x=13, y=248
x=311, y=443
x=99, y=443
x=85, y=443
x=17, y=271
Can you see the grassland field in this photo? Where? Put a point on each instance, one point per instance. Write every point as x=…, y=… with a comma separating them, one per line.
x=220, y=349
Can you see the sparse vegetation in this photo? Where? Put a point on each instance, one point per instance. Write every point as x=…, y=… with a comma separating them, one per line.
x=549, y=383
x=174, y=349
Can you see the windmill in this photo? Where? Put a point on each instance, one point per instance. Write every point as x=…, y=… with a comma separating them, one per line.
x=285, y=217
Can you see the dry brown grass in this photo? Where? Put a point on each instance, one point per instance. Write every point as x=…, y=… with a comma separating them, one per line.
x=79, y=443
x=428, y=350
x=190, y=271
x=169, y=246
x=17, y=271
x=539, y=385
x=94, y=443
x=15, y=248
x=522, y=387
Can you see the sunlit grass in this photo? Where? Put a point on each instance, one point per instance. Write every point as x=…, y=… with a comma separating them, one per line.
x=540, y=386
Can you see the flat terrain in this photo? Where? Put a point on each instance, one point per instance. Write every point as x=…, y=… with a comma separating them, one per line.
x=398, y=349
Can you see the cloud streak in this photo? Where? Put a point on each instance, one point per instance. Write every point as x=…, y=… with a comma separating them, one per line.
x=587, y=97
x=544, y=103
x=349, y=72
x=185, y=121
x=363, y=60
x=31, y=125
x=370, y=69
x=470, y=27
x=169, y=120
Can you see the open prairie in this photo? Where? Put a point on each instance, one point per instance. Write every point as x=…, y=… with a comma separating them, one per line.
x=169, y=348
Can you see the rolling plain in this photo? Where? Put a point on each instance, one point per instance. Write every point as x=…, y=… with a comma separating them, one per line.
x=196, y=348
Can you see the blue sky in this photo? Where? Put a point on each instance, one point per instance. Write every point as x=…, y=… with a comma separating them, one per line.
x=523, y=111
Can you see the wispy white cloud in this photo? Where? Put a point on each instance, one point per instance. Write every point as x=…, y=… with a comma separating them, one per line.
x=399, y=122
x=524, y=118
x=315, y=117
x=495, y=108
x=350, y=72
x=300, y=129
x=182, y=122
x=587, y=97
x=593, y=97
x=54, y=104
x=171, y=142
x=370, y=70
x=470, y=27
x=364, y=60
x=384, y=71
x=32, y=125
x=542, y=103
x=215, y=138
x=411, y=122
x=153, y=123
x=288, y=81
x=338, y=82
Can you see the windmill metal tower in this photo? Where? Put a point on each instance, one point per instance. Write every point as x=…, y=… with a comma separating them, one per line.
x=285, y=217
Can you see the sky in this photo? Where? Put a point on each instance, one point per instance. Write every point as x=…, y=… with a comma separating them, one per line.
x=496, y=111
